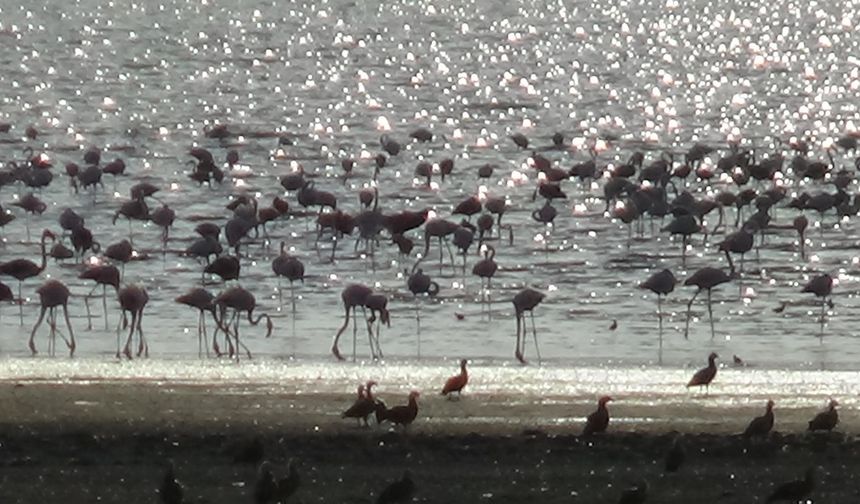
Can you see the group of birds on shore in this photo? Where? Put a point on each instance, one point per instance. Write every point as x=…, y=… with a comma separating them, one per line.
x=626, y=200
x=367, y=406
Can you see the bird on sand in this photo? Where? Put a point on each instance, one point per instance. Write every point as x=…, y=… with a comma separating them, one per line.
x=762, y=425
x=171, y=491
x=399, y=491
x=826, y=420
x=794, y=491
x=598, y=421
x=705, y=376
x=456, y=383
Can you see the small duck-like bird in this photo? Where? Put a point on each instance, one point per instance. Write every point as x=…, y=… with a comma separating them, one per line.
x=762, y=425
x=826, y=420
x=794, y=491
x=401, y=490
x=456, y=383
x=598, y=421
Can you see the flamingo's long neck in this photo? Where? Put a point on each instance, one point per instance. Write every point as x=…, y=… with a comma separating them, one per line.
x=44, y=255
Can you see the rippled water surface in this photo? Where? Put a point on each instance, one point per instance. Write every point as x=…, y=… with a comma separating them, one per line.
x=144, y=80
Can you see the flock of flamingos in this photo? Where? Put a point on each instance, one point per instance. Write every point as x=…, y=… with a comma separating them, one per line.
x=657, y=188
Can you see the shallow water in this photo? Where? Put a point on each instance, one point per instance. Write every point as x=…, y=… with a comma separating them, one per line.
x=142, y=80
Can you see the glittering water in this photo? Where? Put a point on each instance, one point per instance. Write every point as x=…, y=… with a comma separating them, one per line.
x=143, y=81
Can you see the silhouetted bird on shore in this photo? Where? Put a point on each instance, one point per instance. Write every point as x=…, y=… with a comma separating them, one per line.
x=171, y=490
x=598, y=421
x=826, y=420
x=675, y=456
x=399, y=491
x=705, y=376
x=794, y=491
x=762, y=425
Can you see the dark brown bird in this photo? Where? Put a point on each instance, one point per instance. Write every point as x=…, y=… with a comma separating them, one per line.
x=363, y=407
x=457, y=382
x=526, y=301
x=403, y=415
x=289, y=484
x=675, y=456
x=826, y=420
x=598, y=421
x=53, y=294
x=265, y=487
x=796, y=490
x=635, y=495
x=705, y=375
x=704, y=279
x=400, y=491
x=171, y=491
x=762, y=425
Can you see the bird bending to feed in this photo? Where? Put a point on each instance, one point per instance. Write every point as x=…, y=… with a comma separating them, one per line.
x=399, y=491
x=705, y=375
x=762, y=425
x=526, y=301
x=635, y=495
x=456, y=383
x=598, y=421
x=53, y=294
x=826, y=420
x=794, y=491
x=400, y=415
x=364, y=405
x=171, y=490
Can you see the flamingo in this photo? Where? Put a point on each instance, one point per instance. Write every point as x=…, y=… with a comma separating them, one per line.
x=705, y=279
x=202, y=300
x=353, y=296
x=420, y=283
x=821, y=286
x=661, y=283
x=22, y=269
x=52, y=294
x=132, y=299
x=377, y=303
x=240, y=300
x=103, y=275
x=485, y=269
x=526, y=301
